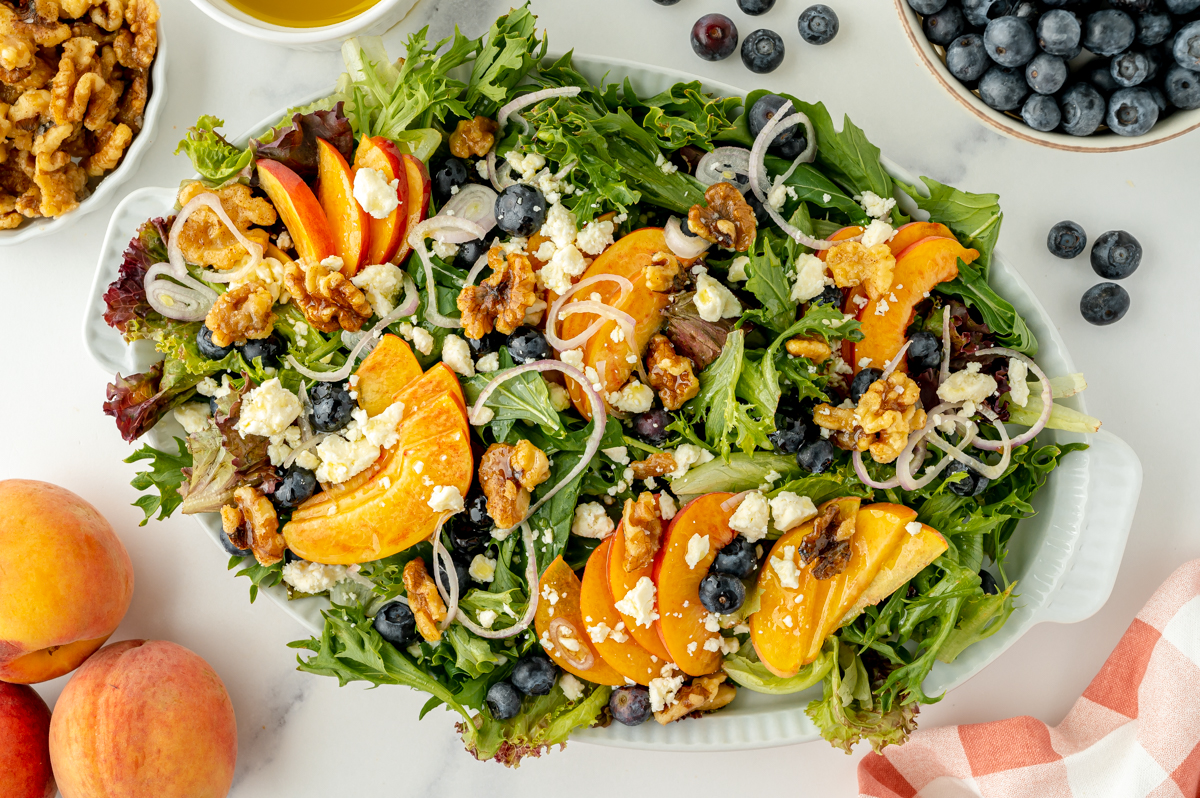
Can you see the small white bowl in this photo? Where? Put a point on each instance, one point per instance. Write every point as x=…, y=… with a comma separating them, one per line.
x=1178, y=123
x=108, y=185
x=376, y=20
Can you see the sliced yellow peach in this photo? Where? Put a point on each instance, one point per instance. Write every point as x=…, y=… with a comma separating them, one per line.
x=619, y=649
x=914, y=553
x=620, y=582
x=436, y=382
x=559, y=619
x=302, y=215
x=390, y=367
x=348, y=222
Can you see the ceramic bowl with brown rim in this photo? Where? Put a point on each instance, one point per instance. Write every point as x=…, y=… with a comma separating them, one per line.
x=1171, y=126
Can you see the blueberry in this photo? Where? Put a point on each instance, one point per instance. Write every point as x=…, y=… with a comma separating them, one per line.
x=461, y=570
x=476, y=512
x=630, y=705
x=1160, y=99
x=790, y=434
x=1059, y=32
x=468, y=538
x=1003, y=88
x=1186, y=48
x=1082, y=109
x=1108, y=32
x=862, y=381
x=396, y=624
x=967, y=58
x=1009, y=41
x=270, y=349
x=208, y=349
x=941, y=28
x=527, y=345
x=818, y=24
x=230, y=548
x=980, y=12
x=1104, y=303
x=297, y=487
x=1130, y=68
x=666, y=2
x=1066, y=240
x=1041, y=112
x=489, y=343
x=972, y=484
x=1099, y=74
x=331, y=406
x=1027, y=10
x=470, y=252
x=755, y=7
x=761, y=217
x=736, y=558
x=451, y=175
x=924, y=352
x=1153, y=27
x=815, y=457
x=1131, y=112
x=793, y=146
x=722, y=593
x=534, y=674
x=714, y=37
x=830, y=295
x=926, y=7
x=1182, y=6
x=651, y=426
x=503, y=701
x=762, y=51
x=520, y=210
x=1116, y=255
x=987, y=583
x=1182, y=87
x=762, y=112
x=1046, y=74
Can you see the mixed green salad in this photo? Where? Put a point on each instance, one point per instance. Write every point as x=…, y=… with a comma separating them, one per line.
x=762, y=311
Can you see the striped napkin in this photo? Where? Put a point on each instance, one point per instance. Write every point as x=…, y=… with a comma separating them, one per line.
x=1134, y=733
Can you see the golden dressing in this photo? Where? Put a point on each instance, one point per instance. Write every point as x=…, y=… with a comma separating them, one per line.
x=303, y=13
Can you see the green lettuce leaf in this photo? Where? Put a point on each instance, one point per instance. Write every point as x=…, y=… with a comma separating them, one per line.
x=747, y=670
x=717, y=408
x=847, y=713
x=510, y=49
x=545, y=721
x=216, y=160
x=974, y=218
x=165, y=476
x=740, y=472
x=971, y=286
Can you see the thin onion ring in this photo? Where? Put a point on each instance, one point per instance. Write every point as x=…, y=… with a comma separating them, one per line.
x=194, y=298
x=416, y=240
x=860, y=470
x=758, y=175
x=442, y=562
x=734, y=501
x=531, y=577
x=305, y=445
x=983, y=469
x=213, y=203
x=552, y=320
x=1047, y=402
x=533, y=98
x=944, y=372
x=894, y=362
x=687, y=247
x=572, y=658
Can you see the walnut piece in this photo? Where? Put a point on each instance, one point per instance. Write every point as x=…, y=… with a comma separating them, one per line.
x=658, y=464
x=704, y=694
x=530, y=465
x=829, y=541
x=814, y=349
x=886, y=415
x=329, y=301
x=423, y=599
x=234, y=526
x=672, y=375
x=262, y=524
x=111, y=142
x=132, y=108
x=662, y=271
x=642, y=527
x=502, y=299
x=135, y=46
x=242, y=313
x=507, y=499
x=853, y=264
x=727, y=221
x=206, y=241
x=473, y=137
x=60, y=189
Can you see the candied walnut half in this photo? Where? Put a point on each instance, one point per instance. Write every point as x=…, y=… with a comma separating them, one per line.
x=60, y=189
x=135, y=47
x=727, y=221
x=704, y=694
x=508, y=474
x=642, y=527
x=206, y=241
x=672, y=375
x=262, y=524
x=658, y=464
x=853, y=264
x=829, y=541
x=814, y=349
x=423, y=599
x=530, y=465
x=473, y=137
x=662, y=271
x=132, y=108
x=242, y=313
x=886, y=415
x=502, y=299
x=44, y=31
x=329, y=301
x=16, y=52
x=111, y=142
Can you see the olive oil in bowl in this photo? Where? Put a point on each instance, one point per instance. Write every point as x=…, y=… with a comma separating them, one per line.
x=302, y=13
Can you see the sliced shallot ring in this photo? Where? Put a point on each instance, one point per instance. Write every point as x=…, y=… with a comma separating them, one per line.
x=369, y=338
x=725, y=164
x=734, y=501
x=480, y=263
x=552, y=320
x=861, y=470
x=1047, y=402
x=213, y=203
x=185, y=300
x=531, y=576
x=683, y=245
x=573, y=658
x=443, y=563
x=894, y=362
x=944, y=372
x=473, y=202
x=416, y=240
x=917, y=438
x=758, y=174
x=622, y=319
x=306, y=430
x=309, y=443
x=978, y=466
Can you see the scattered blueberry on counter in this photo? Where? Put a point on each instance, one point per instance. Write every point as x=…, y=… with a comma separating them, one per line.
x=755, y=7
x=1066, y=240
x=762, y=51
x=1104, y=303
x=818, y=24
x=1115, y=255
x=714, y=37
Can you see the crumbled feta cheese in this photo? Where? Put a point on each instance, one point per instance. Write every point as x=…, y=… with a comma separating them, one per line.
x=559, y=226
x=313, y=578
x=381, y=285
x=374, y=193
x=481, y=168
x=666, y=504
x=566, y=263
x=457, y=355
x=268, y=272
x=876, y=206
x=308, y=459
x=209, y=387
x=968, y=386
x=357, y=445
x=785, y=568
x=444, y=250
x=618, y=454
x=599, y=633
x=483, y=568
x=446, y=498
x=811, y=277
x=882, y=307
x=483, y=416
x=572, y=357
x=750, y=518
x=633, y=398
x=268, y=409
x=560, y=398
x=697, y=549
x=685, y=457
x=193, y=416
x=790, y=510
x=712, y=622
x=913, y=528
x=714, y=301
x=639, y=603
x=1018, y=382
x=595, y=237
x=877, y=232
x=825, y=198
x=487, y=618
x=737, y=269
x=692, y=646
x=591, y=521
x=777, y=195
x=713, y=643
x=281, y=445
x=663, y=691
x=572, y=688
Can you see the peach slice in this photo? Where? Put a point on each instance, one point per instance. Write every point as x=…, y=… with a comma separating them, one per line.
x=596, y=606
x=438, y=381
x=628, y=258
x=919, y=268
x=302, y=214
x=419, y=189
x=909, y=234
x=559, y=601
x=390, y=367
x=681, y=616
x=620, y=582
x=348, y=222
x=907, y=561
x=385, y=509
x=385, y=235
x=840, y=235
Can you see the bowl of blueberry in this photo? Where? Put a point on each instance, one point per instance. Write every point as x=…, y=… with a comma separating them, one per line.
x=1080, y=75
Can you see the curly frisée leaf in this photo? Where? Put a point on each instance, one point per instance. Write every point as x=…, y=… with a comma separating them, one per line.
x=165, y=476
x=544, y=721
x=846, y=713
x=718, y=409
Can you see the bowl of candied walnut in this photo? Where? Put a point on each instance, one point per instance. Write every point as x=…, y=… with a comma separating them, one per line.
x=82, y=83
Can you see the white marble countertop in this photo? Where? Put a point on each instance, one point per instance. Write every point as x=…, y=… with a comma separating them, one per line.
x=302, y=735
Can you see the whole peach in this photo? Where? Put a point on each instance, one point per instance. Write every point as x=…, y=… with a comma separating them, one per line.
x=144, y=718
x=24, y=743
x=67, y=581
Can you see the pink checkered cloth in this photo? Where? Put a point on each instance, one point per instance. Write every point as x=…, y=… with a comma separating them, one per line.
x=1135, y=732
